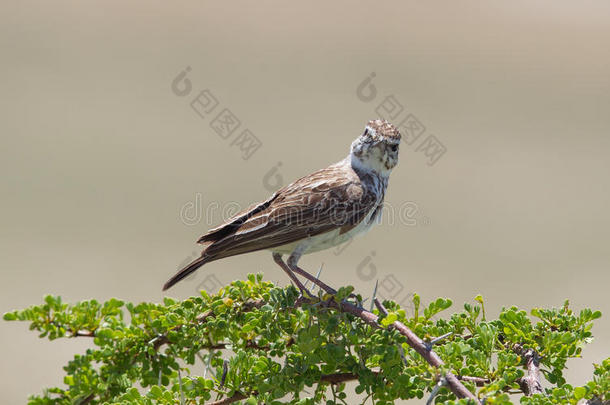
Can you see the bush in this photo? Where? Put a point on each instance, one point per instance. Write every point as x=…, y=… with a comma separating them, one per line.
x=258, y=343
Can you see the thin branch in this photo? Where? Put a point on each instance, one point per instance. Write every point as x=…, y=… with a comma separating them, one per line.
x=530, y=384
x=72, y=333
x=247, y=306
x=478, y=381
x=327, y=378
x=341, y=377
x=238, y=396
x=88, y=399
x=429, y=355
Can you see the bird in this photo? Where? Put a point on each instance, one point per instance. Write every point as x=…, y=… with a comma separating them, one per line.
x=316, y=212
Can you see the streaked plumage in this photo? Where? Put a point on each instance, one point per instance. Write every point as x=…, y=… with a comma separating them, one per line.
x=315, y=212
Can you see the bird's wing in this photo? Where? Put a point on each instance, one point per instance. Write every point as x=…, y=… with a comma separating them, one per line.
x=233, y=223
x=328, y=199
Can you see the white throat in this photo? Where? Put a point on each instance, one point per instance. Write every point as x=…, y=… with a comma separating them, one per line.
x=369, y=164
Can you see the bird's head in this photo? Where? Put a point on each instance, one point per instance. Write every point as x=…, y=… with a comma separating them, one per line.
x=377, y=148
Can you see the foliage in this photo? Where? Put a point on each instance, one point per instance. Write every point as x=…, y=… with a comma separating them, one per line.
x=258, y=343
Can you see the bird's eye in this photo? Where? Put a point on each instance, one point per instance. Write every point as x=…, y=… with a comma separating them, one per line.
x=394, y=148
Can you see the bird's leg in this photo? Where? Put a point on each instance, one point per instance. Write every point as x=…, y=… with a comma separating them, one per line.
x=278, y=259
x=292, y=264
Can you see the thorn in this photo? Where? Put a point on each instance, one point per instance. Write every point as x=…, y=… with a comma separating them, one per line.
x=435, y=390
x=317, y=276
x=225, y=370
x=180, y=385
x=374, y=295
x=153, y=340
x=402, y=355
x=306, y=285
x=436, y=340
x=200, y=357
x=207, y=363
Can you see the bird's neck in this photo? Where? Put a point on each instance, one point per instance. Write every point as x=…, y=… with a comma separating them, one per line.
x=375, y=177
x=367, y=165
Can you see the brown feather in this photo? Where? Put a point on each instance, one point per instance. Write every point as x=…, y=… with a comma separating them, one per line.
x=330, y=198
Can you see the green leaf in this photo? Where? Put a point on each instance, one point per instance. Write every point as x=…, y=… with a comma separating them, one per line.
x=10, y=316
x=390, y=319
x=580, y=392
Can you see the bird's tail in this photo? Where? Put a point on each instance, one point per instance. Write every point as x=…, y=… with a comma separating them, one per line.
x=191, y=267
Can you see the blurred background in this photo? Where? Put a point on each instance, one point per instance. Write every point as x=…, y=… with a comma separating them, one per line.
x=129, y=129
